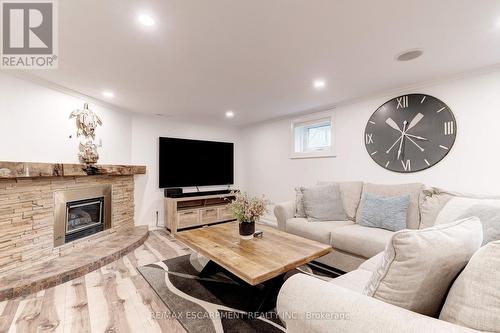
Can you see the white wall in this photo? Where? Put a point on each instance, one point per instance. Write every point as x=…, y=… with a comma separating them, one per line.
x=146, y=130
x=35, y=125
x=472, y=165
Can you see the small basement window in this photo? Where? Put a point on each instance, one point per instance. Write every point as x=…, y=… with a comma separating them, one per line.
x=312, y=137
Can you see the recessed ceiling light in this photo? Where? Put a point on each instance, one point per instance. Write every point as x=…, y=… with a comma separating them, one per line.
x=409, y=55
x=319, y=84
x=146, y=20
x=229, y=114
x=108, y=94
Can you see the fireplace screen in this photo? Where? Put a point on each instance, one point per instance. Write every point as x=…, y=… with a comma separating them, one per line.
x=81, y=212
x=84, y=216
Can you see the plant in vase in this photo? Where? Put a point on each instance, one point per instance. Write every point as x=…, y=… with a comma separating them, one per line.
x=247, y=210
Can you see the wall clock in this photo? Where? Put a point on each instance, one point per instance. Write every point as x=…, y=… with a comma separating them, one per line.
x=410, y=133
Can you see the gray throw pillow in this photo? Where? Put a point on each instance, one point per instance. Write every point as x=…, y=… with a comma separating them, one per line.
x=487, y=210
x=490, y=219
x=384, y=212
x=323, y=203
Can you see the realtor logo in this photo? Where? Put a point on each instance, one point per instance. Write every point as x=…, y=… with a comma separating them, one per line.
x=29, y=34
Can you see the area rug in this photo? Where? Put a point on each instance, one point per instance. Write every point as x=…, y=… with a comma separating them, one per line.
x=215, y=303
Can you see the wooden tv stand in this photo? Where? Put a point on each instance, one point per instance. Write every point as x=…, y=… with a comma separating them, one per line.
x=197, y=211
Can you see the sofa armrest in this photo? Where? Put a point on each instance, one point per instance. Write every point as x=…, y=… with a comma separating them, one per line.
x=308, y=304
x=284, y=211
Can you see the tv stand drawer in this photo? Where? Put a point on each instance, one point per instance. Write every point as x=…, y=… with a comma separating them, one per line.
x=225, y=214
x=209, y=215
x=188, y=218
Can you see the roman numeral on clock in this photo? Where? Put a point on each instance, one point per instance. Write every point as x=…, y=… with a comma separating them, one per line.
x=449, y=128
x=402, y=102
x=369, y=138
x=406, y=165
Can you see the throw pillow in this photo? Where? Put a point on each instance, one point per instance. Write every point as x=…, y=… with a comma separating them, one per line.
x=434, y=200
x=420, y=265
x=474, y=298
x=299, y=203
x=487, y=210
x=351, y=196
x=413, y=190
x=384, y=212
x=323, y=203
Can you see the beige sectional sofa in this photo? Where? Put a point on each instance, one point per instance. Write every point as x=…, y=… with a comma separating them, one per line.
x=309, y=304
x=352, y=243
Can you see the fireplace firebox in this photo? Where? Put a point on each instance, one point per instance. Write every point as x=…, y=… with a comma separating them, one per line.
x=81, y=212
x=84, y=218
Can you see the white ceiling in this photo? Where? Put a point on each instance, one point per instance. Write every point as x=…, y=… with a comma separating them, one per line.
x=259, y=57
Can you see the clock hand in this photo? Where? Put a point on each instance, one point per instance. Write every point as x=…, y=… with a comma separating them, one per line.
x=416, y=137
x=393, y=124
x=395, y=143
x=402, y=138
x=415, y=121
x=421, y=149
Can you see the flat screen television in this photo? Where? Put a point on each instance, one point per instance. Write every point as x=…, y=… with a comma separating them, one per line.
x=185, y=163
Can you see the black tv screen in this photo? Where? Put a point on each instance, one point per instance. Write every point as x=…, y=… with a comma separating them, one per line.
x=186, y=163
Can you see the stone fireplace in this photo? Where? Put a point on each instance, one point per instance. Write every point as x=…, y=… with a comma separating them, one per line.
x=79, y=213
x=36, y=197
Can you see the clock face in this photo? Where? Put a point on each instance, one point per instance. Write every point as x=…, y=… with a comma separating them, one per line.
x=410, y=133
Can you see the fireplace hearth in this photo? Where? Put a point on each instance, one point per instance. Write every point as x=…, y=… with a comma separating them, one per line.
x=81, y=213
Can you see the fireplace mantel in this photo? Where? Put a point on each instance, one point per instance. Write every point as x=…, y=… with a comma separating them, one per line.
x=12, y=170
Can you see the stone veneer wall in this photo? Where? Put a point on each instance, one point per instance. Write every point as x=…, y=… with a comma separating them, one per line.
x=27, y=217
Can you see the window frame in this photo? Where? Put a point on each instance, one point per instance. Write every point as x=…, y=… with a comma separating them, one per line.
x=312, y=120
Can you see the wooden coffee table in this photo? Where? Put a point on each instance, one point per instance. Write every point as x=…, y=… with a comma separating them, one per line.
x=254, y=261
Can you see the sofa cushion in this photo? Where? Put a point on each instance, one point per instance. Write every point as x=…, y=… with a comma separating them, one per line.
x=487, y=210
x=323, y=203
x=318, y=231
x=413, y=190
x=355, y=280
x=384, y=212
x=351, y=195
x=435, y=199
x=372, y=263
x=341, y=260
x=474, y=298
x=362, y=241
x=419, y=266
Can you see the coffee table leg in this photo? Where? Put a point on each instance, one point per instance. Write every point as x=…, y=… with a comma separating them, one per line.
x=271, y=290
x=210, y=268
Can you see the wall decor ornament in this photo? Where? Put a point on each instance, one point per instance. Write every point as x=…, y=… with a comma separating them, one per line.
x=410, y=133
x=88, y=152
x=86, y=121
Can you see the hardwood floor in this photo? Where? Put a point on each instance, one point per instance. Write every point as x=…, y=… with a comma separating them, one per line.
x=114, y=298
